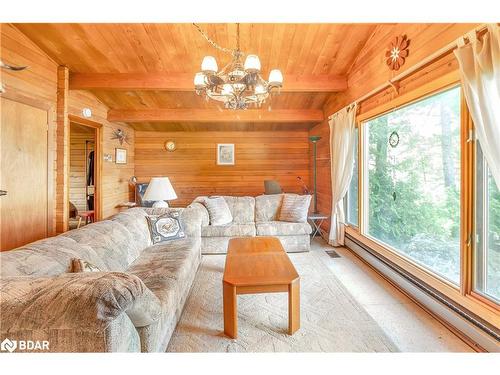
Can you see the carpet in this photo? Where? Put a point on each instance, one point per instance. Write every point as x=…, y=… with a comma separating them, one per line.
x=331, y=320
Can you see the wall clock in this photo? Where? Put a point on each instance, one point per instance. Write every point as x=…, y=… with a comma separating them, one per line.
x=170, y=145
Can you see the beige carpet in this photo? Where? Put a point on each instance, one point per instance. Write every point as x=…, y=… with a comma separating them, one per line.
x=331, y=320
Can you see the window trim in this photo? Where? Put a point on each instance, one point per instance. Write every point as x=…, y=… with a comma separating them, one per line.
x=463, y=294
x=346, y=200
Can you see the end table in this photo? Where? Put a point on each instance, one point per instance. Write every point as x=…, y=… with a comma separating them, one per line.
x=316, y=220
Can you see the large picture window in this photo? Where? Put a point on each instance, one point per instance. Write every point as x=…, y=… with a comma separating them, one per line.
x=487, y=244
x=412, y=182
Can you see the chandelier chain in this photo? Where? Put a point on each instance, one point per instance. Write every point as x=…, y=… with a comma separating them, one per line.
x=217, y=46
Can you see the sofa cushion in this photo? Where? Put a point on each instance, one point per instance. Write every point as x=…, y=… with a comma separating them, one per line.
x=282, y=228
x=267, y=207
x=114, y=244
x=47, y=257
x=294, y=208
x=166, y=227
x=242, y=208
x=218, y=210
x=229, y=230
x=165, y=267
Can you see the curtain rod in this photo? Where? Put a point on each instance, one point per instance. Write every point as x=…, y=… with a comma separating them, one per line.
x=429, y=59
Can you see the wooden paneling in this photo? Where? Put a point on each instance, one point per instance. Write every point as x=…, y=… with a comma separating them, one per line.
x=193, y=171
x=370, y=70
x=35, y=86
x=62, y=157
x=210, y=115
x=79, y=137
x=184, y=82
x=115, y=188
x=24, y=212
x=304, y=52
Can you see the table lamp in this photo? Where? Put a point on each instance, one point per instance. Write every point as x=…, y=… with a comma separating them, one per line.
x=159, y=190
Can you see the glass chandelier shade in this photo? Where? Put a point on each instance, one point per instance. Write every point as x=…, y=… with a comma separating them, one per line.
x=237, y=85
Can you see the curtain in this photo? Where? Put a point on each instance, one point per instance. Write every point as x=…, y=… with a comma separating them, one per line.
x=342, y=137
x=479, y=62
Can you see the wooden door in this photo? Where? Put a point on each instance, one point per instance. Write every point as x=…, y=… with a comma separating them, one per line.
x=23, y=174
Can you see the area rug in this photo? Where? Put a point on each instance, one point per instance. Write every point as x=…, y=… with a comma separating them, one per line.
x=331, y=320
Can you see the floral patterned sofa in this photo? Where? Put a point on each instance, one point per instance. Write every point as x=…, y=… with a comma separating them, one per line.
x=252, y=216
x=132, y=305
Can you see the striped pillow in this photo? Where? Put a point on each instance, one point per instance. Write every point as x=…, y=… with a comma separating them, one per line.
x=295, y=208
x=218, y=210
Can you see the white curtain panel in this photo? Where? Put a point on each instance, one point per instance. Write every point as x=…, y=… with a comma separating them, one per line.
x=342, y=137
x=479, y=62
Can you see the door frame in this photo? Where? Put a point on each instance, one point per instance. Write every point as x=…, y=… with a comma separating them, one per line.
x=51, y=151
x=98, y=127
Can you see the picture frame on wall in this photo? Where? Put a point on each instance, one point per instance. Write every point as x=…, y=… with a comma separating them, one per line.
x=120, y=156
x=225, y=154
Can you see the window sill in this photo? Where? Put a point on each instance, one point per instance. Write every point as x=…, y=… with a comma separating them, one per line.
x=489, y=313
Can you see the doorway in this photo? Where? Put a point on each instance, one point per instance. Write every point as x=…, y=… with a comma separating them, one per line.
x=84, y=176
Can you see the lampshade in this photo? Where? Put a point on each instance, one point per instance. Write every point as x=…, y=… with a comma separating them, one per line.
x=199, y=80
x=209, y=64
x=252, y=63
x=159, y=189
x=275, y=77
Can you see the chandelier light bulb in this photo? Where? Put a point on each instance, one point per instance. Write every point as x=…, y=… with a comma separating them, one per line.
x=252, y=64
x=227, y=89
x=259, y=90
x=275, y=77
x=199, y=80
x=209, y=65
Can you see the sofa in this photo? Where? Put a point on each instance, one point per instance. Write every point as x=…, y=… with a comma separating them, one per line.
x=252, y=216
x=132, y=304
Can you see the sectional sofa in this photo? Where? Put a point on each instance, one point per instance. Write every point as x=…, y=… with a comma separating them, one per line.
x=252, y=216
x=132, y=305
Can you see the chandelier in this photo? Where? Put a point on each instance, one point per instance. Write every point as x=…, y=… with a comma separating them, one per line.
x=238, y=85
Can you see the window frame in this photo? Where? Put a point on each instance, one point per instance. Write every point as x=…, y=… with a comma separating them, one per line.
x=463, y=293
x=346, y=200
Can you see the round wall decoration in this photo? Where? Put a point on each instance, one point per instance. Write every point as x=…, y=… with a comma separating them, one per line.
x=397, y=52
x=394, y=139
x=170, y=145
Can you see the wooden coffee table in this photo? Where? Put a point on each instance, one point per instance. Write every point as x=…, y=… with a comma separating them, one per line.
x=258, y=265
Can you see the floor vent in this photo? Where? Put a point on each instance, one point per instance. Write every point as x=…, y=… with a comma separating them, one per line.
x=332, y=253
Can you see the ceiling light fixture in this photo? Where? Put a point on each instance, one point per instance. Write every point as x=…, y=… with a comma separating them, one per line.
x=238, y=85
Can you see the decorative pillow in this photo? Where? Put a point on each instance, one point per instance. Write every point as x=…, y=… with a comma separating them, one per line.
x=294, y=208
x=80, y=265
x=218, y=210
x=165, y=227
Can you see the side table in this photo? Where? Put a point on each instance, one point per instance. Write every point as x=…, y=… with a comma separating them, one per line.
x=316, y=220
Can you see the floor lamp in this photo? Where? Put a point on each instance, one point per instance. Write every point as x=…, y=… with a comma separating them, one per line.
x=314, y=139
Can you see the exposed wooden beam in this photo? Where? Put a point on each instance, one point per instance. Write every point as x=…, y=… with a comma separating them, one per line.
x=184, y=82
x=214, y=115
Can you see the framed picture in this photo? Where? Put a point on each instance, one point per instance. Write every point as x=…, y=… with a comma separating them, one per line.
x=120, y=156
x=225, y=154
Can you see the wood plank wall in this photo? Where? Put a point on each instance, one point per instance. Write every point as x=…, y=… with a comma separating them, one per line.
x=115, y=177
x=369, y=71
x=259, y=156
x=37, y=86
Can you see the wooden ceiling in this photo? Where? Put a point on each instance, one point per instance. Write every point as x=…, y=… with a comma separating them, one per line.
x=314, y=53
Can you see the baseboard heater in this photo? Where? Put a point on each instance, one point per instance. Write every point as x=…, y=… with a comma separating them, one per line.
x=476, y=329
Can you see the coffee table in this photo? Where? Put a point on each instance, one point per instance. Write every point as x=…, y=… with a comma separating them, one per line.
x=258, y=265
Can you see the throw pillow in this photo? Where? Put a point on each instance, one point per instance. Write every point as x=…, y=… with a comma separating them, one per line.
x=218, y=210
x=294, y=208
x=165, y=227
x=80, y=265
